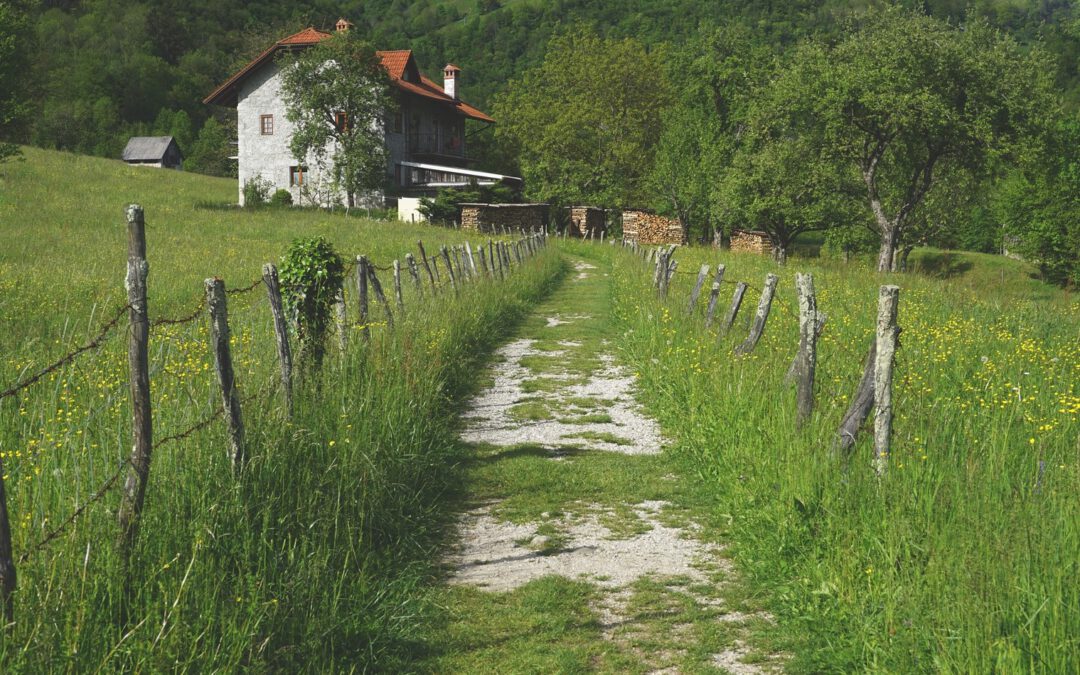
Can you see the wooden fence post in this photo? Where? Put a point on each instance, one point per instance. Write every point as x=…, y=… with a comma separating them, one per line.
x=380, y=296
x=496, y=261
x=702, y=273
x=281, y=331
x=342, y=324
x=861, y=403
x=435, y=268
x=819, y=328
x=887, y=332
x=483, y=261
x=764, y=305
x=423, y=257
x=397, y=287
x=449, y=269
x=219, y=345
x=733, y=311
x=414, y=272
x=807, y=355
x=362, y=296
x=139, y=383
x=714, y=295
x=7, y=557
x=469, y=257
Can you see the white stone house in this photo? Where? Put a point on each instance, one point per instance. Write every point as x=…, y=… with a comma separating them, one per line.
x=425, y=136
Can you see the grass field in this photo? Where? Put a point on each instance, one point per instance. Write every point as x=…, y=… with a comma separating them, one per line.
x=314, y=559
x=963, y=558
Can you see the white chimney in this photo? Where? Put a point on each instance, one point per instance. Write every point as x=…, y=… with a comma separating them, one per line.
x=450, y=78
x=343, y=25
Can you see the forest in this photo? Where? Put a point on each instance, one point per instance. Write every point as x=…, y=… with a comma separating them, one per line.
x=85, y=76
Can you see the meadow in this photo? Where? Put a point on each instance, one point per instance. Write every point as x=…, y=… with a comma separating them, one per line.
x=312, y=559
x=964, y=556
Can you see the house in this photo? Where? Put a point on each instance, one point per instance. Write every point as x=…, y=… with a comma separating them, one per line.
x=160, y=152
x=425, y=137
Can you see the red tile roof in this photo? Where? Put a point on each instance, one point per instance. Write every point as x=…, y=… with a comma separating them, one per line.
x=396, y=62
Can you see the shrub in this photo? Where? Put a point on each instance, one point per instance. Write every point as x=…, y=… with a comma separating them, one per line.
x=312, y=274
x=256, y=191
x=281, y=198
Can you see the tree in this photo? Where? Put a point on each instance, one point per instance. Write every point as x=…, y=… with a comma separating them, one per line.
x=14, y=61
x=904, y=97
x=585, y=123
x=337, y=96
x=211, y=150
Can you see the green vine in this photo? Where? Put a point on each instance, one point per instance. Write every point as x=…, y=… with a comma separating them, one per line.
x=312, y=274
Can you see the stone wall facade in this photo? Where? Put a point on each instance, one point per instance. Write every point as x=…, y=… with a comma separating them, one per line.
x=496, y=218
x=647, y=228
x=586, y=219
x=751, y=241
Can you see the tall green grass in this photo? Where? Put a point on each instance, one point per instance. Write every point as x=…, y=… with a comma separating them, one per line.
x=964, y=556
x=315, y=558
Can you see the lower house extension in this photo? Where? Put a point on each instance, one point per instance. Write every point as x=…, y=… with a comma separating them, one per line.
x=425, y=137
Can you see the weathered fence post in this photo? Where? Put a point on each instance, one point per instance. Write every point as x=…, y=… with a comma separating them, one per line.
x=861, y=403
x=397, y=287
x=342, y=323
x=380, y=296
x=702, y=273
x=887, y=332
x=469, y=257
x=414, y=272
x=423, y=257
x=362, y=296
x=139, y=378
x=807, y=355
x=219, y=345
x=435, y=268
x=7, y=557
x=449, y=269
x=733, y=311
x=764, y=305
x=819, y=328
x=496, y=261
x=714, y=295
x=483, y=261
x=281, y=331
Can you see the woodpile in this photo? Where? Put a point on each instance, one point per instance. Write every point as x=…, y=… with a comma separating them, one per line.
x=586, y=220
x=647, y=228
x=497, y=218
x=751, y=241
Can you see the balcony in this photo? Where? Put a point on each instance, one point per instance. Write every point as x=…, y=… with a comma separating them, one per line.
x=443, y=147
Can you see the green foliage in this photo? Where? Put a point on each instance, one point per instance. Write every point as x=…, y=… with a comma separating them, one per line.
x=281, y=197
x=445, y=207
x=587, y=120
x=312, y=274
x=256, y=191
x=210, y=152
x=14, y=74
x=337, y=96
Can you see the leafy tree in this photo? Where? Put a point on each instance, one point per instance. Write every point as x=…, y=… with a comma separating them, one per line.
x=14, y=56
x=905, y=97
x=337, y=96
x=587, y=120
x=211, y=150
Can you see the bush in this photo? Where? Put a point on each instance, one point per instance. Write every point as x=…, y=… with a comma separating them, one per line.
x=256, y=191
x=312, y=274
x=281, y=198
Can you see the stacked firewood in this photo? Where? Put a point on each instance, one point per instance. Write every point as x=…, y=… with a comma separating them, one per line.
x=649, y=229
x=751, y=241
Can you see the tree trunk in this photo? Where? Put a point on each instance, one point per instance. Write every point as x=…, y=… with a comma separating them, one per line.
x=779, y=254
x=900, y=258
x=890, y=234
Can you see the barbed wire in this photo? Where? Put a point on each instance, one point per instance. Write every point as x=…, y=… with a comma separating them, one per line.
x=187, y=318
x=246, y=289
x=67, y=358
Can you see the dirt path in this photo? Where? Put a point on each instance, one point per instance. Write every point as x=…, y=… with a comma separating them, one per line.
x=580, y=549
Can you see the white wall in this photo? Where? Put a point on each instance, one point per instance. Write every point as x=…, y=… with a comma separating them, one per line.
x=408, y=209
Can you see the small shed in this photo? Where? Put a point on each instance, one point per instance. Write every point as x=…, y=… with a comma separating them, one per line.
x=160, y=152
x=586, y=221
x=504, y=217
x=751, y=241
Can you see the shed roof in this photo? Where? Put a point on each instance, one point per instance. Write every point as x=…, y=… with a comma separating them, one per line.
x=147, y=148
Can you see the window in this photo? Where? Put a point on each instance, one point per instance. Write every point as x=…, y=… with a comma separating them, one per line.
x=266, y=124
x=341, y=122
x=399, y=122
x=296, y=175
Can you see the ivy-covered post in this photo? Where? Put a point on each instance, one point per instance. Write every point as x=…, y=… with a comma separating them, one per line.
x=312, y=274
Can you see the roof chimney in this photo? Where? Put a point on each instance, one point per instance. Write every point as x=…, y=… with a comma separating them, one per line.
x=450, y=78
x=343, y=25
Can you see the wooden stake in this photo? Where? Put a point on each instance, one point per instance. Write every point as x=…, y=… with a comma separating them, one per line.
x=469, y=257
x=7, y=557
x=807, y=356
x=423, y=257
x=414, y=272
x=219, y=345
x=449, y=268
x=139, y=383
x=887, y=332
x=714, y=295
x=380, y=296
x=397, y=287
x=281, y=331
x=733, y=311
x=861, y=404
x=342, y=325
x=702, y=273
x=764, y=305
x=362, y=296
